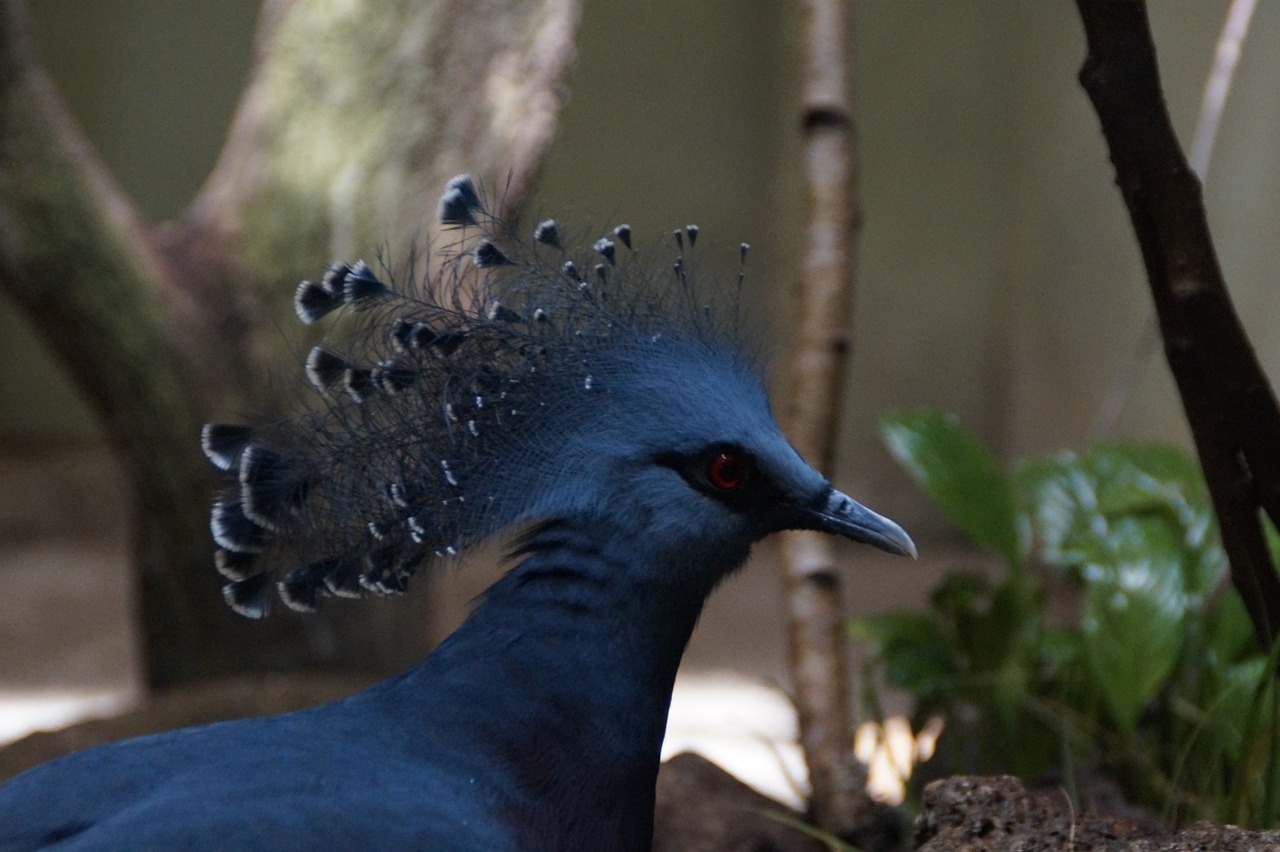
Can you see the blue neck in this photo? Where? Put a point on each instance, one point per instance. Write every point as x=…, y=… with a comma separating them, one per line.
x=577, y=657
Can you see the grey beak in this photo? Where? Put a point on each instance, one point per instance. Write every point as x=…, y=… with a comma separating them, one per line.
x=844, y=516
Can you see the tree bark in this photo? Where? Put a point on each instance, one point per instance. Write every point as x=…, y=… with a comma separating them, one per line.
x=1229, y=404
x=818, y=641
x=354, y=117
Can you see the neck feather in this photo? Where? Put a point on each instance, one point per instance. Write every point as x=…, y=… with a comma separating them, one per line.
x=574, y=655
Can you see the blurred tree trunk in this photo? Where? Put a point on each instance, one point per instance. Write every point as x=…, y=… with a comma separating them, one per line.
x=354, y=116
x=819, y=645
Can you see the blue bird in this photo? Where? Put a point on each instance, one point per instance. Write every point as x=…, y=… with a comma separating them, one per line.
x=603, y=412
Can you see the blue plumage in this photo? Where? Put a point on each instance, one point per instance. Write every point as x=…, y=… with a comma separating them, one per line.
x=613, y=422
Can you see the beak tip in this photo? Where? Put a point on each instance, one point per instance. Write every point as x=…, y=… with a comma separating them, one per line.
x=895, y=540
x=853, y=520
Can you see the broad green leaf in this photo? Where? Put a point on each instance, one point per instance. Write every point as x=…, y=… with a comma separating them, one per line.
x=1162, y=462
x=1060, y=501
x=1165, y=481
x=1126, y=487
x=1134, y=611
x=960, y=474
x=1230, y=634
x=1071, y=501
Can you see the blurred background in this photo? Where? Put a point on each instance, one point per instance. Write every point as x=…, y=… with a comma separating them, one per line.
x=998, y=277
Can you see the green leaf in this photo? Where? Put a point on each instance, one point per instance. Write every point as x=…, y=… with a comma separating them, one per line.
x=960, y=474
x=1134, y=611
x=1061, y=505
x=1272, y=537
x=1060, y=649
x=917, y=653
x=1241, y=687
x=961, y=592
x=1230, y=633
x=1070, y=501
x=989, y=622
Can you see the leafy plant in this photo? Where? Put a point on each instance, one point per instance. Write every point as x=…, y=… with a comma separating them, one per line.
x=1153, y=675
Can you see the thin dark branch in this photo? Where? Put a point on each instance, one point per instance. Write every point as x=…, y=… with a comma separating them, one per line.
x=1230, y=407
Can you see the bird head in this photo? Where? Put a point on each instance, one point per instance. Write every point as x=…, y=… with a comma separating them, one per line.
x=522, y=383
x=680, y=457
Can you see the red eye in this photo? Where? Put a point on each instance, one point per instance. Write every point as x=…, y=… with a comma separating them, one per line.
x=726, y=471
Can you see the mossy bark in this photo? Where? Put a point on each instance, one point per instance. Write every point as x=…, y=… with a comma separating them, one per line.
x=353, y=118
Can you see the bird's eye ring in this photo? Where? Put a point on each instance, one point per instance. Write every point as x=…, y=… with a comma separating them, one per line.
x=727, y=470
